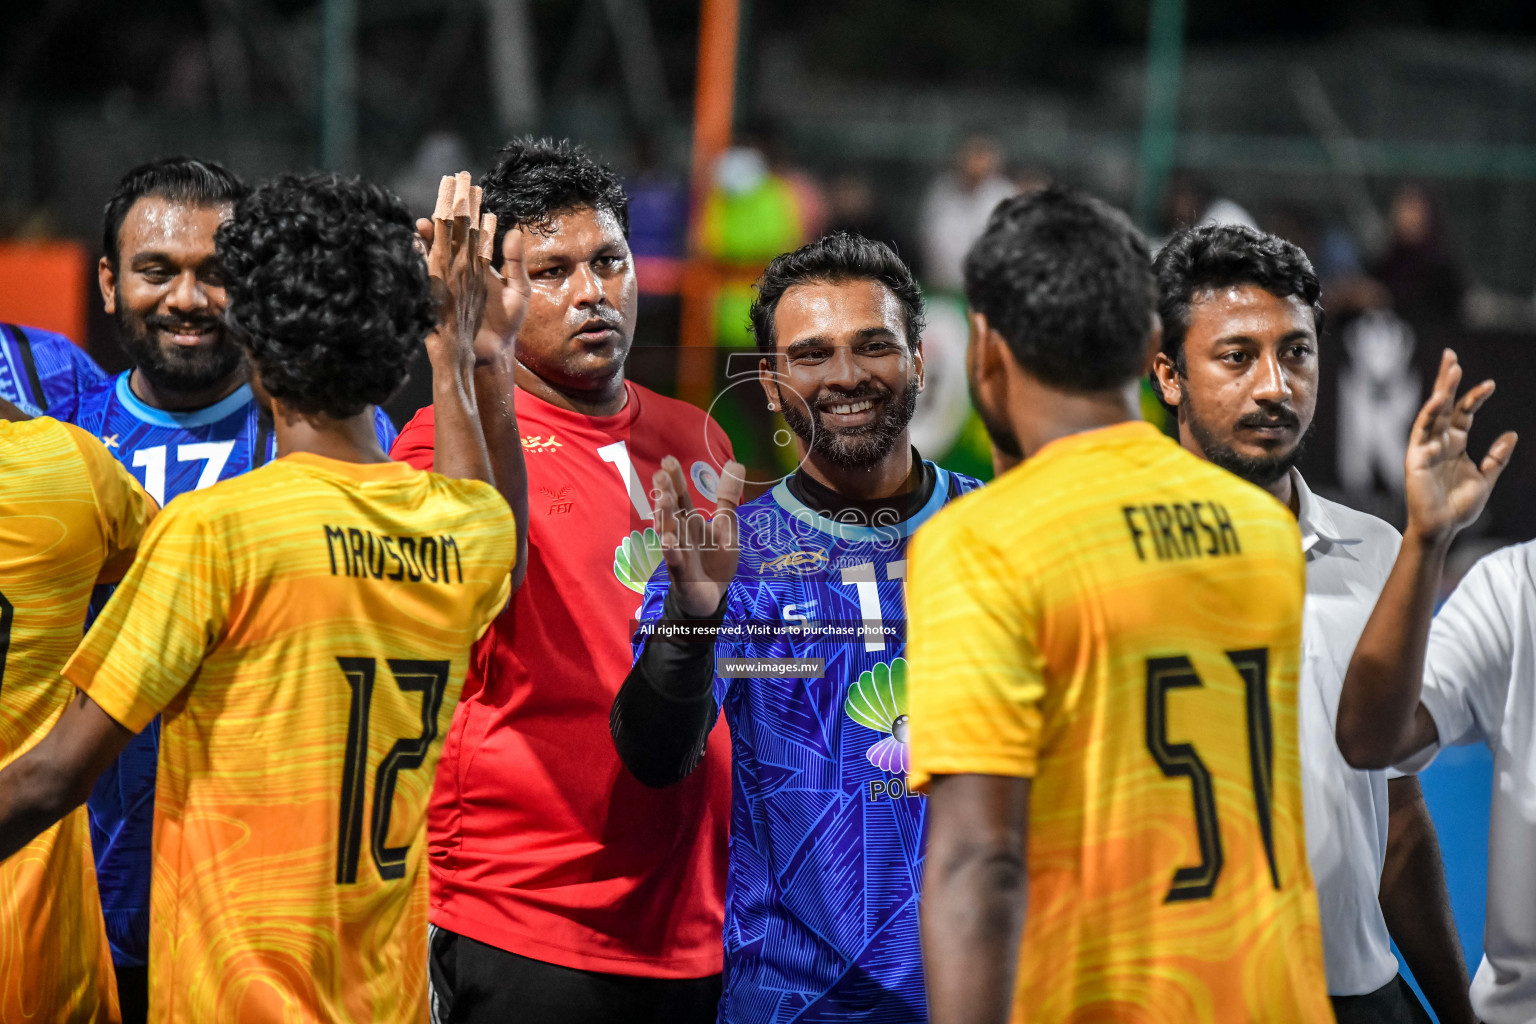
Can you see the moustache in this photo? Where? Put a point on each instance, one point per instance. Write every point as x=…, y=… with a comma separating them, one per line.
x=1278, y=418
x=177, y=324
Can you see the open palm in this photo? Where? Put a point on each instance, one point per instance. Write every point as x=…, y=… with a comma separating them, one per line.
x=701, y=552
x=1446, y=490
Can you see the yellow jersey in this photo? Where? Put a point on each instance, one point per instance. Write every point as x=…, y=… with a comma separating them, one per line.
x=305, y=630
x=70, y=517
x=1120, y=622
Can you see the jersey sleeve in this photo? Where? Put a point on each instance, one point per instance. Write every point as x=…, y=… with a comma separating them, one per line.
x=414, y=445
x=1469, y=659
x=151, y=638
x=122, y=507
x=87, y=373
x=652, y=599
x=652, y=612
x=976, y=676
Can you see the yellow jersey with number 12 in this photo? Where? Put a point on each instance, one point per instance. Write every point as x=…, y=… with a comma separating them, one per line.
x=70, y=517
x=1120, y=622
x=305, y=629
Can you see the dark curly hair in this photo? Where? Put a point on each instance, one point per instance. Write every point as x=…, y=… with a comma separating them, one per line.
x=326, y=290
x=1220, y=256
x=535, y=179
x=180, y=179
x=832, y=259
x=1067, y=281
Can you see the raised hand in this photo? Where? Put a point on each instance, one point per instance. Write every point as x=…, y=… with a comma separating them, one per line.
x=701, y=552
x=507, y=295
x=458, y=241
x=1446, y=490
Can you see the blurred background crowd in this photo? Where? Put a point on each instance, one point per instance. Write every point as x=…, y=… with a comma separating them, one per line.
x=1394, y=141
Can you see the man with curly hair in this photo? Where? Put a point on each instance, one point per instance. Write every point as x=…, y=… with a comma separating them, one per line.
x=562, y=888
x=182, y=418
x=304, y=628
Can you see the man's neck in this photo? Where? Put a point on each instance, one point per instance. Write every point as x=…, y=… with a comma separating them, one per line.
x=1042, y=414
x=352, y=439
x=182, y=401
x=881, y=480
x=608, y=399
x=1287, y=494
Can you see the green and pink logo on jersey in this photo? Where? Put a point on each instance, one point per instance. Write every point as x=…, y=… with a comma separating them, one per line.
x=636, y=557
x=878, y=699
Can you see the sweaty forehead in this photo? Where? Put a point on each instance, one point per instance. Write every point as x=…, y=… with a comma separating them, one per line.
x=836, y=311
x=157, y=224
x=1248, y=310
x=575, y=233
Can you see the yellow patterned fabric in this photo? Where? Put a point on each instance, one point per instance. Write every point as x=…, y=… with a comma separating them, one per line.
x=70, y=517
x=1120, y=622
x=305, y=628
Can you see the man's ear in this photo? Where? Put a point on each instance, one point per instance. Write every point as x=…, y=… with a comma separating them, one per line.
x=917, y=363
x=106, y=280
x=985, y=350
x=1166, y=376
x=768, y=377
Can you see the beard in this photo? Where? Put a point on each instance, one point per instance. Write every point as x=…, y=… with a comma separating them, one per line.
x=854, y=447
x=1261, y=470
x=170, y=367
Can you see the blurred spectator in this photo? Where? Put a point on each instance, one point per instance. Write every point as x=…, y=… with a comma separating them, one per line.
x=1029, y=178
x=810, y=198
x=956, y=209
x=750, y=216
x=658, y=220
x=1192, y=202
x=1419, y=269
x=1378, y=399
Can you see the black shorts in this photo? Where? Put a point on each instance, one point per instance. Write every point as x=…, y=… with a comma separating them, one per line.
x=1393, y=1003
x=473, y=983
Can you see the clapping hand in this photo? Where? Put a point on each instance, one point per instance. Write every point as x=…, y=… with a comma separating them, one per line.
x=701, y=554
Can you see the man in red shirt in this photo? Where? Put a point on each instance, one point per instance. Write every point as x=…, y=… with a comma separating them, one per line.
x=564, y=890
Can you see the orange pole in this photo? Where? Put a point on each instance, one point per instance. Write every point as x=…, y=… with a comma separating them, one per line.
x=713, y=103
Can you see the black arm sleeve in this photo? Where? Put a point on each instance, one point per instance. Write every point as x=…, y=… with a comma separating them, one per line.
x=666, y=707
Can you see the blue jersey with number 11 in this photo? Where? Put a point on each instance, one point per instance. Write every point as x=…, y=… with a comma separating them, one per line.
x=170, y=453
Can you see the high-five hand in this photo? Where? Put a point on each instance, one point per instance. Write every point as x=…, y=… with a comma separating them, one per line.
x=458, y=241
x=701, y=553
x=1446, y=490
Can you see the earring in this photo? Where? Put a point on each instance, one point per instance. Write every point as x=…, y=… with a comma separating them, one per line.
x=773, y=407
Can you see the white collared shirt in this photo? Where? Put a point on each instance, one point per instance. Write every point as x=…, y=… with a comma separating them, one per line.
x=1349, y=555
x=1480, y=687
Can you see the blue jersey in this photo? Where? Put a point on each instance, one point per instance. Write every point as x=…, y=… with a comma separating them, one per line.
x=826, y=847
x=170, y=453
x=40, y=370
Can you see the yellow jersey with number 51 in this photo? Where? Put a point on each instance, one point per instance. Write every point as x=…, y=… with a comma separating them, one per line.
x=1120, y=622
x=305, y=630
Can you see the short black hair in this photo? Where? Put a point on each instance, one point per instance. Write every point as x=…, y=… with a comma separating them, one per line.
x=1067, y=281
x=534, y=179
x=1220, y=256
x=326, y=290
x=181, y=179
x=833, y=259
